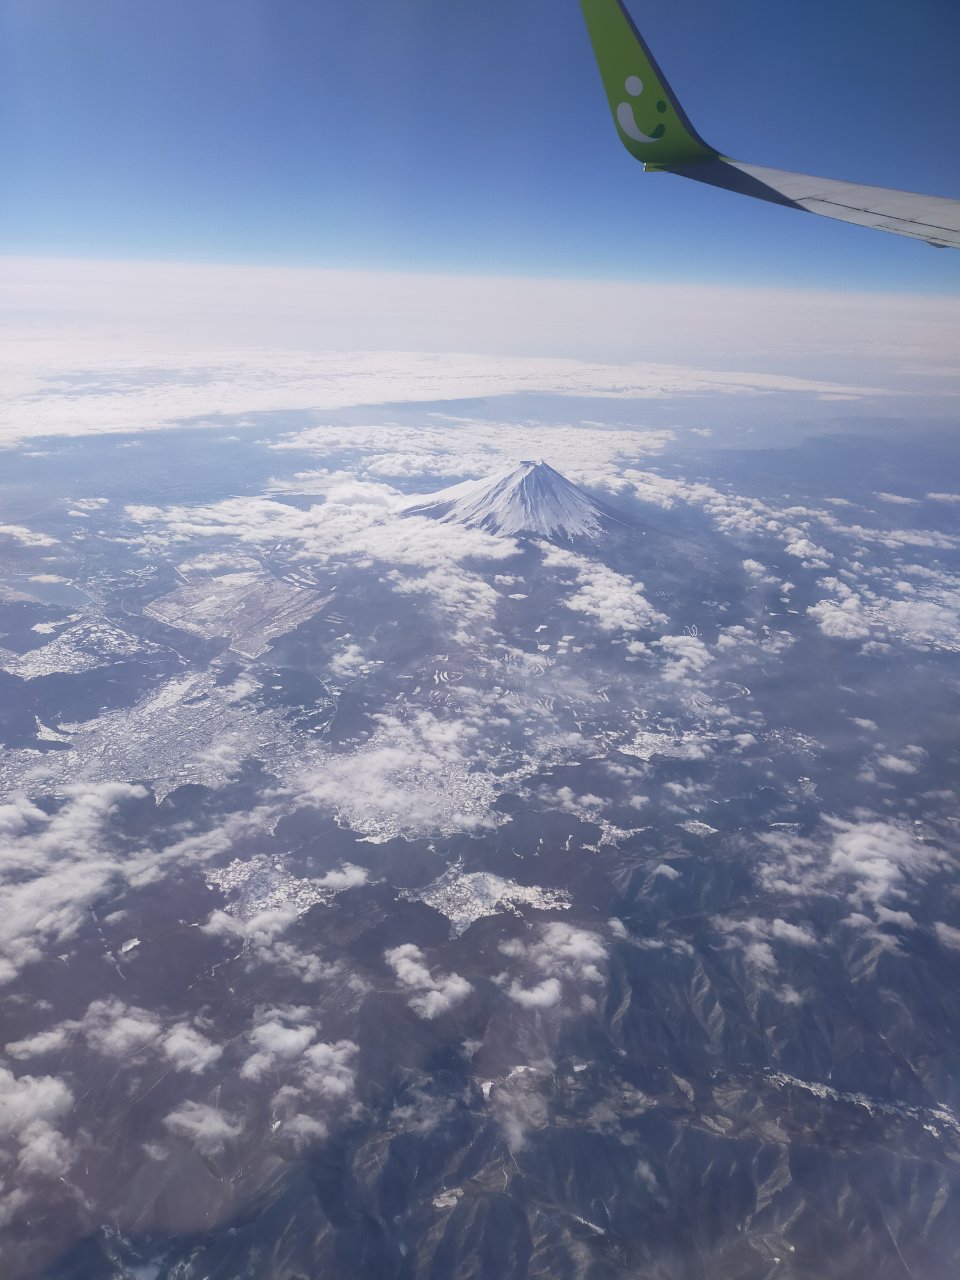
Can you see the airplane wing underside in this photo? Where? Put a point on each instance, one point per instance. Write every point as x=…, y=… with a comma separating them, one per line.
x=654, y=128
x=934, y=219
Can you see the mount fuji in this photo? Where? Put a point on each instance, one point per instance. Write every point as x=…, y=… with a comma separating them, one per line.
x=530, y=498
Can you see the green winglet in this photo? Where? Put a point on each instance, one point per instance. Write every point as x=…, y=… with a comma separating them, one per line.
x=651, y=123
x=654, y=128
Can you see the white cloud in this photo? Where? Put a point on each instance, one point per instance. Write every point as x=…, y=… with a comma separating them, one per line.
x=433, y=995
x=423, y=1114
x=18, y=814
x=926, y=622
x=760, y=956
x=349, y=662
x=565, y=798
x=142, y=357
x=29, y=1099
x=666, y=871
x=117, y=1030
x=896, y=764
x=26, y=537
x=327, y=1071
x=43, y=1042
x=414, y=776
x=259, y=931
x=948, y=935
x=614, y=601
x=275, y=1041
x=309, y=1079
x=800, y=546
x=872, y=863
x=189, y=1050
x=518, y=1108
x=898, y=500
x=687, y=656
x=426, y=557
x=929, y=617
x=843, y=620
x=462, y=595
x=755, y=937
x=205, y=1127
x=53, y=866
x=561, y=951
x=759, y=571
x=798, y=934
x=31, y=1107
x=348, y=876
x=542, y=996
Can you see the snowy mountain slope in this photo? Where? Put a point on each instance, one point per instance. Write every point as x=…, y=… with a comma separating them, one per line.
x=530, y=498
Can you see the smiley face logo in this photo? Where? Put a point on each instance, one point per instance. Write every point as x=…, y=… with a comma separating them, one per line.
x=628, y=121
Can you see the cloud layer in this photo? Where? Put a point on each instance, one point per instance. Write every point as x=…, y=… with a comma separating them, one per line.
x=201, y=341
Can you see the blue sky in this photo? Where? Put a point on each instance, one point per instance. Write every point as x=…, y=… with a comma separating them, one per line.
x=420, y=135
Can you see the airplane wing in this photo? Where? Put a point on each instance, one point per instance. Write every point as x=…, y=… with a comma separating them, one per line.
x=655, y=129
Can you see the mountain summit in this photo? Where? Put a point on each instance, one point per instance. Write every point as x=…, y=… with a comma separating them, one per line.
x=530, y=498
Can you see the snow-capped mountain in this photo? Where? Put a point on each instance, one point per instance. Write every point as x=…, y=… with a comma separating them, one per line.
x=530, y=498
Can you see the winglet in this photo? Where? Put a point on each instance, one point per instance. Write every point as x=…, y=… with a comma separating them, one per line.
x=654, y=128
x=652, y=125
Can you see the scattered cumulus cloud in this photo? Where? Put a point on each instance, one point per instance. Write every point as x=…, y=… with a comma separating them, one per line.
x=563, y=953
x=542, y=996
x=414, y=776
x=873, y=863
x=898, y=499
x=949, y=936
x=841, y=620
x=430, y=995
x=612, y=600
x=203, y=1126
x=25, y=537
x=31, y=1143
x=54, y=867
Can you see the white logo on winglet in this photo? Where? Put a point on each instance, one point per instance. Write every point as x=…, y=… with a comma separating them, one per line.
x=625, y=117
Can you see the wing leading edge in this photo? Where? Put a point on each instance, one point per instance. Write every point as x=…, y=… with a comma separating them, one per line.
x=655, y=129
